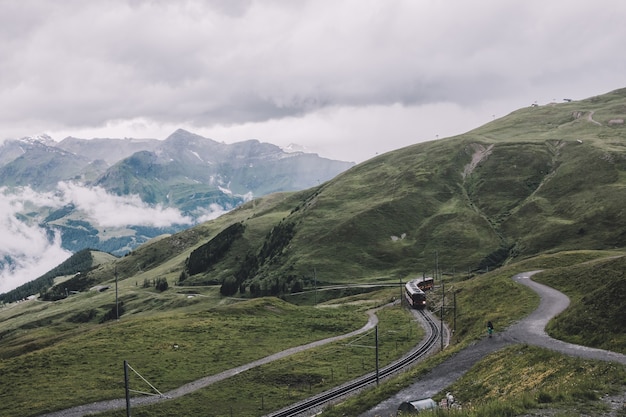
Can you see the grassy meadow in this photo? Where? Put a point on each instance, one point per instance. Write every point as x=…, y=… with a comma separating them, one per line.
x=60, y=364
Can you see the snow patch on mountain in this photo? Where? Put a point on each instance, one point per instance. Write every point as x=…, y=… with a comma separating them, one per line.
x=294, y=148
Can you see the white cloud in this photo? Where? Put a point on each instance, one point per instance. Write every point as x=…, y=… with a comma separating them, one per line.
x=144, y=68
x=29, y=247
x=108, y=210
x=33, y=252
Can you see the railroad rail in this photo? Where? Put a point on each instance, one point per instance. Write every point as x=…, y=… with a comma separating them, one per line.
x=432, y=336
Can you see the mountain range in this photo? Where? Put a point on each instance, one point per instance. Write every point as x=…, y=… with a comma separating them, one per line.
x=115, y=194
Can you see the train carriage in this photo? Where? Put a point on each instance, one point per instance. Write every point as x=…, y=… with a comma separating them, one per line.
x=414, y=295
x=426, y=283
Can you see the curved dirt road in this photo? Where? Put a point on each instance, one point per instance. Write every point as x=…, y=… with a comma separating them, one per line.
x=529, y=330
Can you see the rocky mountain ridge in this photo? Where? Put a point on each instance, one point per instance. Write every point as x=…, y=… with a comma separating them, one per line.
x=92, y=193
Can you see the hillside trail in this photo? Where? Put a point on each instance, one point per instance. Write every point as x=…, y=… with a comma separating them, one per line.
x=120, y=403
x=530, y=330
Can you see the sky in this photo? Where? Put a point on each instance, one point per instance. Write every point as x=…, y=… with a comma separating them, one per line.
x=347, y=79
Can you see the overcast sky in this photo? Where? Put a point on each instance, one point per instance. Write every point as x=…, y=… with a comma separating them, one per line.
x=345, y=78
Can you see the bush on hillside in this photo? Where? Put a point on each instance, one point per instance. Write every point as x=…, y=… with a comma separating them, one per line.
x=161, y=284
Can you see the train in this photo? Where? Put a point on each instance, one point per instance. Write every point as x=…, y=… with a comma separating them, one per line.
x=426, y=283
x=414, y=294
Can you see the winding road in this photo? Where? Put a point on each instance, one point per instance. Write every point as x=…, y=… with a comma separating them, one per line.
x=529, y=330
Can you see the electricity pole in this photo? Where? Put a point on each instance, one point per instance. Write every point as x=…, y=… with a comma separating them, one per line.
x=126, y=385
x=377, y=377
x=315, y=287
x=117, y=310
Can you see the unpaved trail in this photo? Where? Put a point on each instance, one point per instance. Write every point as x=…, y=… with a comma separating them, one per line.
x=529, y=330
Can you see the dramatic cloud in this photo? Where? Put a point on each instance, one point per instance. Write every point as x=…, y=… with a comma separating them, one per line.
x=107, y=210
x=32, y=252
x=27, y=246
x=318, y=73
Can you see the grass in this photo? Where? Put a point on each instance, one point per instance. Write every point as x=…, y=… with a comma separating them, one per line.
x=213, y=333
x=85, y=361
x=299, y=376
x=522, y=380
x=597, y=290
x=495, y=297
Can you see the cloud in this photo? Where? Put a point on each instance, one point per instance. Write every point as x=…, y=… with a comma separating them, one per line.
x=108, y=210
x=78, y=66
x=28, y=246
x=33, y=252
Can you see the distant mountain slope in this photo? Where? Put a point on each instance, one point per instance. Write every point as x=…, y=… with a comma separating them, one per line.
x=199, y=165
x=114, y=194
x=39, y=166
x=540, y=180
x=109, y=150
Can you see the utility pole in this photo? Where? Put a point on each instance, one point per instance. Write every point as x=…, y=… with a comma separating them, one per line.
x=126, y=385
x=377, y=375
x=436, y=264
x=441, y=329
x=454, y=306
x=117, y=309
x=315, y=286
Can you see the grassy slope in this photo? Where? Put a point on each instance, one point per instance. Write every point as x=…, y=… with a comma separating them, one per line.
x=84, y=360
x=597, y=291
x=519, y=379
x=537, y=190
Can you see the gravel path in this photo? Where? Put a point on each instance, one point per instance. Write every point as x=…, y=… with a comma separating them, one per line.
x=529, y=330
x=120, y=403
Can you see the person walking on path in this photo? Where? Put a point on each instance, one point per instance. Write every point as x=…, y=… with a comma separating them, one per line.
x=489, y=328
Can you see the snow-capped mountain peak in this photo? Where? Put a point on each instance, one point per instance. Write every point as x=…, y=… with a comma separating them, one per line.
x=43, y=139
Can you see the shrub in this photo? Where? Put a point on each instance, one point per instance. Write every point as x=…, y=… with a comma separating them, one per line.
x=161, y=284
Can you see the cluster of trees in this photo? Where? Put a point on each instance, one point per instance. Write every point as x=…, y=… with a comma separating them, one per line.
x=159, y=283
x=496, y=258
x=275, y=242
x=114, y=312
x=248, y=275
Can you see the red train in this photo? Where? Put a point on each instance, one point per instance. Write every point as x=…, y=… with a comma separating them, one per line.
x=414, y=294
x=426, y=283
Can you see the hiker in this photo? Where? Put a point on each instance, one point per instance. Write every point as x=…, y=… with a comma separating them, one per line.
x=489, y=328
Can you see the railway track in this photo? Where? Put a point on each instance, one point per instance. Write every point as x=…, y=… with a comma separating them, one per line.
x=432, y=336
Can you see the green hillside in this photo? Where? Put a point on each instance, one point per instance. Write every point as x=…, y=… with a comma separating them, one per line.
x=543, y=179
x=541, y=188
